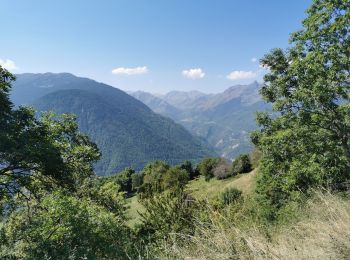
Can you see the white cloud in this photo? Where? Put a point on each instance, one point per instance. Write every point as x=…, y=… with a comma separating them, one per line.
x=193, y=73
x=254, y=60
x=8, y=64
x=240, y=74
x=130, y=71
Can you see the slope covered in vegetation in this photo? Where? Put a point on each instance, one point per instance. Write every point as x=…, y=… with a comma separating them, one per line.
x=126, y=131
x=200, y=189
x=214, y=117
x=53, y=206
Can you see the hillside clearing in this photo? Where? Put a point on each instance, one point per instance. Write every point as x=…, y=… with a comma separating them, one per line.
x=200, y=189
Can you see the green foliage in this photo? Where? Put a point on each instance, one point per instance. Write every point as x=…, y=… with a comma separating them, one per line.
x=167, y=213
x=152, y=180
x=127, y=132
x=105, y=192
x=229, y=195
x=188, y=167
x=5, y=85
x=206, y=167
x=53, y=206
x=175, y=178
x=124, y=180
x=159, y=176
x=137, y=181
x=38, y=155
x=306, y=142
x=64, y=227
x=241, y=164
x=255, y=157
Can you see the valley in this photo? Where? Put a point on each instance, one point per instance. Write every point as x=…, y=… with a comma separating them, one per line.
x=224, y=120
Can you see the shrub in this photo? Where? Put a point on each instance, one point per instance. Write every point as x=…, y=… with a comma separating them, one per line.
x=136, y=181
x=152, y=180
x=241, y=164
x=229, y=195
x=65, y=227
x=188, y=167
x=206, y=167
x=124, y=179
x=222, y=170
x=167, y=213
x=255, y=157
x=175, y=178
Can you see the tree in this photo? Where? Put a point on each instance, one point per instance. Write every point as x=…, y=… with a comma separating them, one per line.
x=305, y=142
x=188, y=167
x=137, y=181
x=124, y=180
x=175, y=178
x=241, y=164
x=223, y=169
x=52, y=204
x=206, y=167
x=64, y=227
x=152, y=180
x=39, y=154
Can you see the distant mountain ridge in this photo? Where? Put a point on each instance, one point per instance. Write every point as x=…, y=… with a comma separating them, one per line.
x=158, y=105
x=223, y=119
x=127, y=132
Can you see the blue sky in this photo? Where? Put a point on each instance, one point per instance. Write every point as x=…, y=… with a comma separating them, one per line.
x=154, y=45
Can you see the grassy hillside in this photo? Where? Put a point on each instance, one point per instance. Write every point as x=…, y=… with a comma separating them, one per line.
x=200, y=189
x=321, y=230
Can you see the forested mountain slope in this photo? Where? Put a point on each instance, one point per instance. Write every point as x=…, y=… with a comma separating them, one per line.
x=223, y=119
x=127, y=132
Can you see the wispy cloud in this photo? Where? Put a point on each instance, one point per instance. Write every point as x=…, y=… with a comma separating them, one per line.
x=241, y=74
x=130, y=71
x=254, y=60
x=8, y=64
x=193, y=73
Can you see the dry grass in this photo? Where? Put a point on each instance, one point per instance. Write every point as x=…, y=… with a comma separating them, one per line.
x=323, y=232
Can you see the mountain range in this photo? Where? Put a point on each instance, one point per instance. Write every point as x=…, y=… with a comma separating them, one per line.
x=127, y=132
x=223, y=119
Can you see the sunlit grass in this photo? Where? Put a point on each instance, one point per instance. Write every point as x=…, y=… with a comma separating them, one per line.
x=200, y=189
x=132, y=213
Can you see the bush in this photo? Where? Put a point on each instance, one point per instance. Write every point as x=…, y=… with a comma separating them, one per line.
x=188, y=167
x=124, y=180
x=65, y=227
x=153, y=176
x=255, y=157
x=175, y=178
x=206, y=167
x=241, y=164
x=222, y=170
x=229, y=195
x=136, y=181
x=167, y=213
